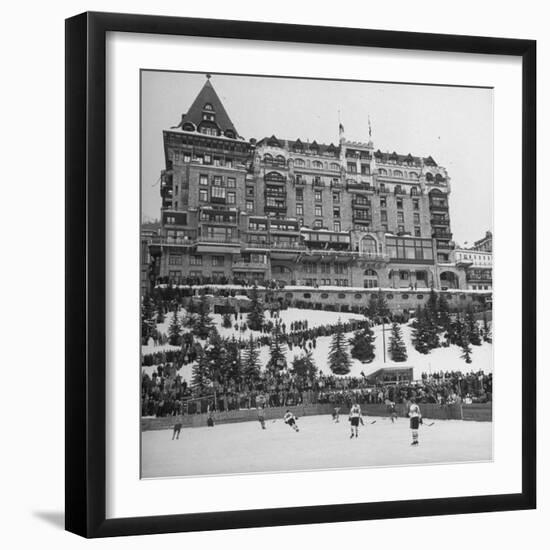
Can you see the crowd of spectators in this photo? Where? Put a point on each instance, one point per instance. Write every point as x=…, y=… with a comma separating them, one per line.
x=165, y=393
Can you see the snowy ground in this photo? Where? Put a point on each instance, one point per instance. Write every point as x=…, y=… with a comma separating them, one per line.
x=320, y=444
x=440, y=359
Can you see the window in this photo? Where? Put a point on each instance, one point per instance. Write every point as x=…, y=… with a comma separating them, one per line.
x=218, y=192
x=385, y=227
x=318, y=210
x=401, y=229
x=207, y=157
x=218, y=181
x=318, y=224
x=400, y=217
x=203, y=195
x=317, y=164
x=337, y=226
x=389, y=296
x=229, y=162
x=352, y=168
x=405, y=296
x=203, y=179
x=299, y=162
x=299, y=209
x=404, y=275
x=170, y=220
x=399, y=203
x=174, y=260
x=383, y=215
x=334, y=166
x=217, y=261
x=186, y=157
x=249, y=205
x=231, y=198
x=339, y=269
x=174, y=275
x=231, y=182
x=307, y=295
x=299, y=194
x=365, y=169
x=195, y=260
x=325, y=268
x=420, y=296
x=336, y=197
x=416, y=204
x=358, y=296
x=336, y=211
x=417, y=232
x=250, y=191
x=382, y=202
x=382, y=187
x=318, y=196
x=416, y=218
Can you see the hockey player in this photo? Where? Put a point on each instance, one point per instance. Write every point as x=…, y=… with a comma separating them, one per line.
x=393, y=412
x=415, y=420
x=290, y=419
x=177, y=430
x=355, y=417
x=336, y=414
x=260, y=404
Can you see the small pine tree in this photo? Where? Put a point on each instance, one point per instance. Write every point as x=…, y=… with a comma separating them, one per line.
x=202, y=324
x=473, y=329
x=338, y=357
x=304, y=366
x=397, y=348
x=277, y=351
x=234, y=370
x=200, y=381
x=444, y=314
x=465, y=345
x=148, y=325
x=216, y=355
x=174, y=330
x=486, y=329
x=362, y=345
x=255, y=317
x=372, y=307
x=382, y=305
x=419, y=333
x=251, y=361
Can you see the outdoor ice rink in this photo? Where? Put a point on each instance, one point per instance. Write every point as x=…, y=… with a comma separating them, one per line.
x=321, y=444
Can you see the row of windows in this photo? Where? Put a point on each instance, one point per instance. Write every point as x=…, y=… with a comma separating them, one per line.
x=205, y=159
x=218, y=193
x=218, y=181
x=358, y=296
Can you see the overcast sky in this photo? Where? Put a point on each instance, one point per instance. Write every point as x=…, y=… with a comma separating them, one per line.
x=454, y=125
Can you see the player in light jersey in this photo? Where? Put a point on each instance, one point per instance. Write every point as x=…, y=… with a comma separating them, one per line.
x=336, y=414
x=290, y=419
x=355, y=417
x=415, y=420
x=393, y=412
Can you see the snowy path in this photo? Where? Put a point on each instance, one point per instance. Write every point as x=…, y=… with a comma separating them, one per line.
x=320, y=444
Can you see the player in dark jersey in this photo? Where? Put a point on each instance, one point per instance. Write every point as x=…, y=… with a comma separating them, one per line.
x=260, y=405
x=393, y=412
x=336, y=414
x=177, y=430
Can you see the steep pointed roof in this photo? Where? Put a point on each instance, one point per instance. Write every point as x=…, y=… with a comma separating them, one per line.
x=208, y=96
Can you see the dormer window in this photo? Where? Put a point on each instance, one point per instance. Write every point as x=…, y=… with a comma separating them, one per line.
x=208, y=107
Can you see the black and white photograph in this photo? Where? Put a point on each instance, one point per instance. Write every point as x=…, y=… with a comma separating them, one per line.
x=316, y=274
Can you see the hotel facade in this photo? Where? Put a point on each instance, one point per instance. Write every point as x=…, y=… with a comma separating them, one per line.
x=298, y=212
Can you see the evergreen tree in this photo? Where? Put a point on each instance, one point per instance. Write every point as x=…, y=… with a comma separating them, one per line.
x=226, y=317
x=444, y=312
x=420, y=338
x=251, y=361
x=382, y=305
x=486, y=329
x=465, y=345
x=277, y=351
x=432, y=306
x=255, y=318
x=148, y=325
x=234, y=369
x=338, y=357
x=200, y=380
x=362, y=345
x=473, y=329
x=397, y=348
x=216, y=356
x=160, y=313
x=303, y=366
x=174, y=330
x=202, y=324
x=372, y=307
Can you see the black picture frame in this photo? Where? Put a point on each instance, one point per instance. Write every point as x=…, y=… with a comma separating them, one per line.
x=86, y=278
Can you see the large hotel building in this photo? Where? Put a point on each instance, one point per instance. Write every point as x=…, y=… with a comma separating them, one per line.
x=299, y=212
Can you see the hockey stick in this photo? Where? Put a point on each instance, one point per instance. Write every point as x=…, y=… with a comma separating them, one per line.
x=429, y=425
x=373, y=422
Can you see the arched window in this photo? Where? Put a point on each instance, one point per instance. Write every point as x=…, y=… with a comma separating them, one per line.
x=280, y=160
x=371, y=279
x=324, y=295
x=405, y=296
x=317, y=164
x=274, y=176
x=208, y=107
x=413, y=175
x=358, y=296
x=334, y=166
x=389, y=296
x=382, y=171
x=288, y=295
x=398, y=173
x=307, y=295
x=230, y=134
x=414, y=191
x=299, y=162
x=420, y=296
x=438, y=178
x=429, y=176
x=268, y=159
x=341, y=295
x=368, y=245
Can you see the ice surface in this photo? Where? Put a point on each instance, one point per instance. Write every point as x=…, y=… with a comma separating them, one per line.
x=320, y=444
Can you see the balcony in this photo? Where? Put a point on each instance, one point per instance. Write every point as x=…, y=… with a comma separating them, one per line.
x=287, y=245
x=439, y=207
x=374, y=256
x=356, y=203
x=275, y=193
x=318, y=183
x=215, y=239
x=359, y=186
x=440, y=221
x=444, y=246
x=217, y=200
x=359, y=217
x=243, y=265
x=277, y=208
x=442, y=235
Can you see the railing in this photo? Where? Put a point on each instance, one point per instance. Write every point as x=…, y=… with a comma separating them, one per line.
x=360, y=186
x=286, y=245
x=361, y=219
x=361, y=204
x=248, y=265
x=275, y=208
x=442, y=235
x=375, y=256
x=439, y=207
x=444, y=246
x=215, y=239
